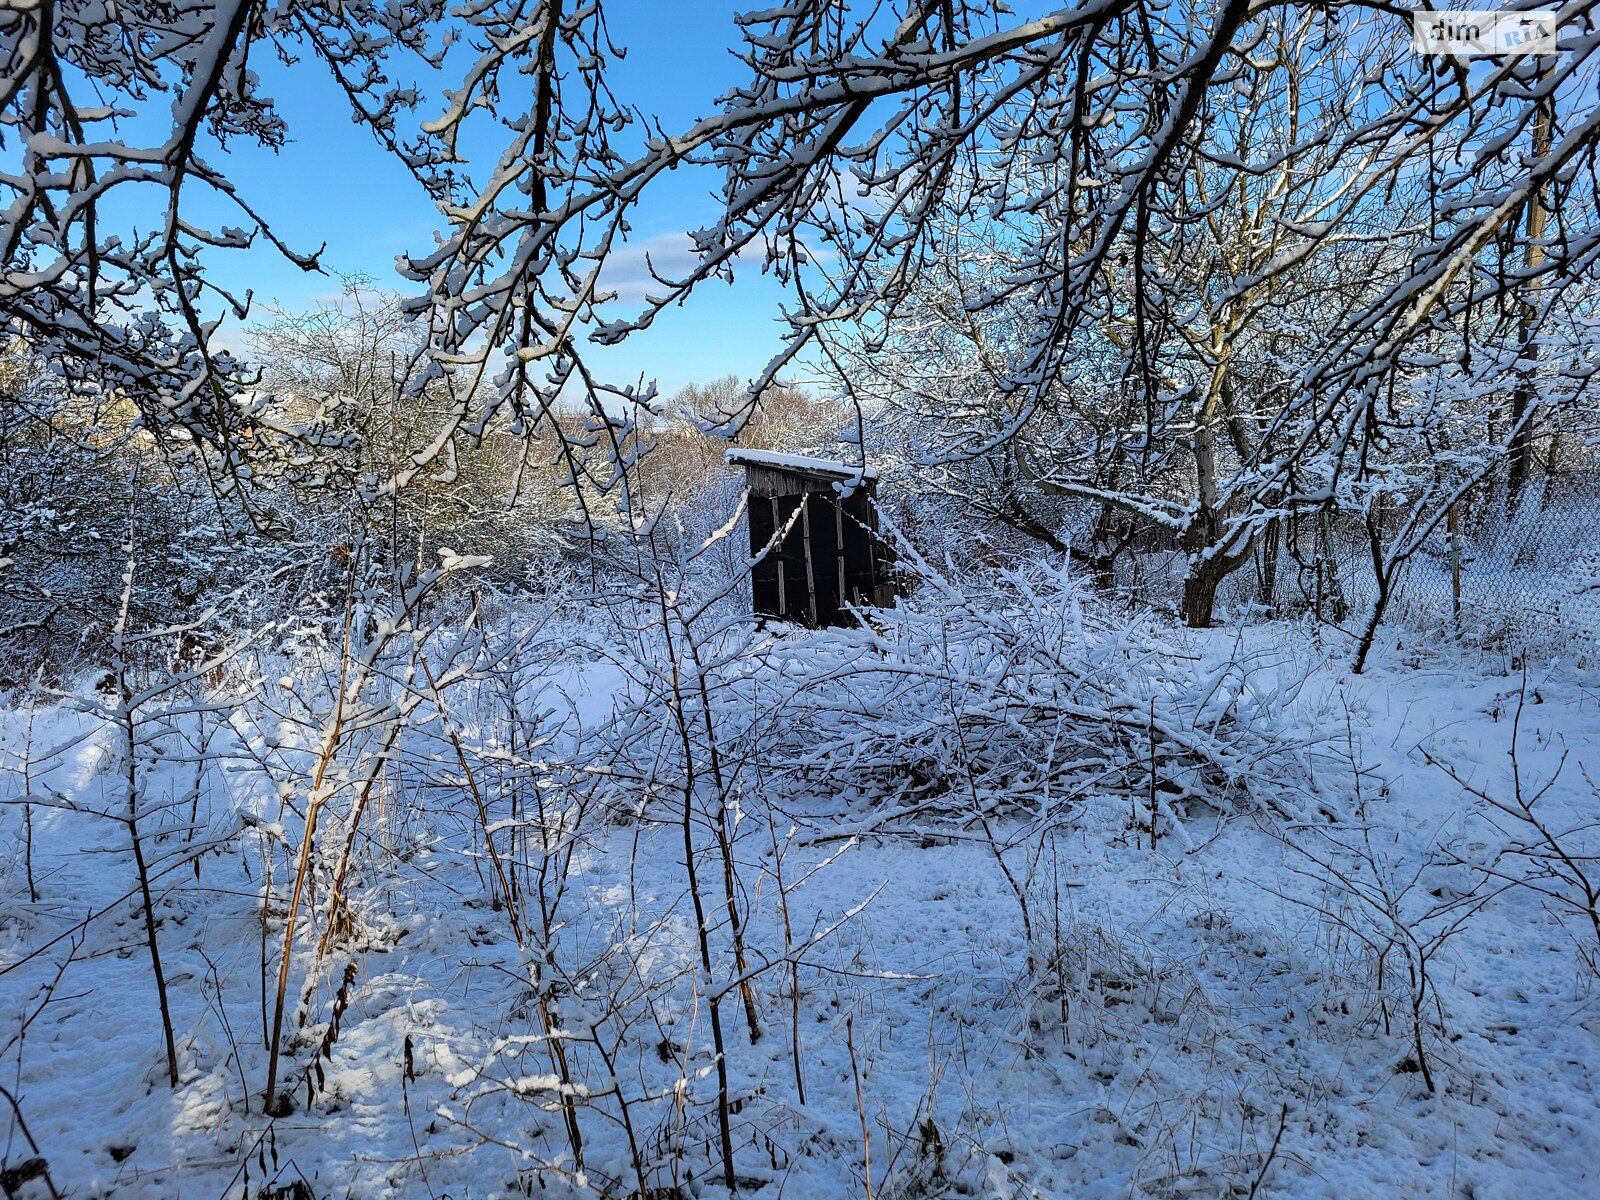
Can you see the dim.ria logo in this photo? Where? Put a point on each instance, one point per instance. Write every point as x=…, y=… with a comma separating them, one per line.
x=1483, y=33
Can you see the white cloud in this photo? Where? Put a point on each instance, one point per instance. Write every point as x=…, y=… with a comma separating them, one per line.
x=627, y=271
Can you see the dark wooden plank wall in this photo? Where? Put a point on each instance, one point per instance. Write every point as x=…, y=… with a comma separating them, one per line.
x=829, y=556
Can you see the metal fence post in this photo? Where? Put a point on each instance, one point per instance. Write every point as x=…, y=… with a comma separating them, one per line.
x=1453, y=523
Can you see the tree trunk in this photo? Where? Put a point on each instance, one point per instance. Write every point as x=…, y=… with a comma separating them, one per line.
x=1271, y=540
x=1206, y=571
x=1520, y=457
x=1200, y=591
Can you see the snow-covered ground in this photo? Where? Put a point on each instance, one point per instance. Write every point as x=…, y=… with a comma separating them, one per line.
x=1234, y=1011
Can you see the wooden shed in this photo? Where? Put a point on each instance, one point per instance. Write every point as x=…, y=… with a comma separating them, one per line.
x=814, y=541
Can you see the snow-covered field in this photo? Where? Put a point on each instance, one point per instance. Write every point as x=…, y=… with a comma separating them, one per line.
x=1391, y=1001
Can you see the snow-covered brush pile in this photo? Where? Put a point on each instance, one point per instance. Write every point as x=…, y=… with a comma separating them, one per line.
x=1019, y=691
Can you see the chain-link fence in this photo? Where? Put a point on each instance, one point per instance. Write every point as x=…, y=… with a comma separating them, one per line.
x=1527, y=578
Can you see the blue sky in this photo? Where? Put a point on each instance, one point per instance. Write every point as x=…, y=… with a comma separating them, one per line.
x=332, y=184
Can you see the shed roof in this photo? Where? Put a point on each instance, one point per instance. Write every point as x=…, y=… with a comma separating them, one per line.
x=799, y=464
